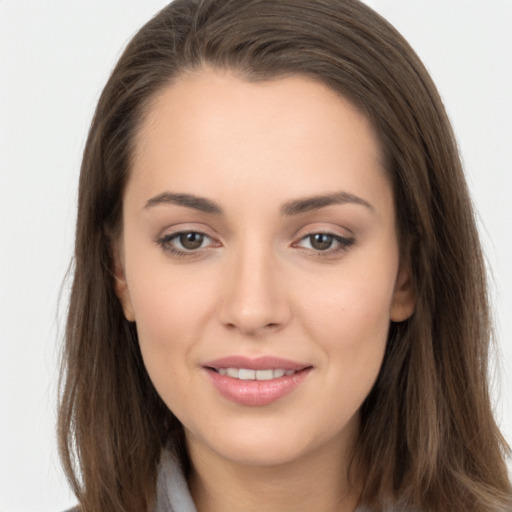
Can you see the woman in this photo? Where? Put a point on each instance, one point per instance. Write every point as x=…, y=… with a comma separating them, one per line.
x=279, y=297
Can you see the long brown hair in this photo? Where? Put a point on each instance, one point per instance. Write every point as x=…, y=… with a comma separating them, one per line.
x=428, y=438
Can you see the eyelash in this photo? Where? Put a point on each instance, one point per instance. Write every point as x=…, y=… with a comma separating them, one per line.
x=166, y=243
x=343, y=243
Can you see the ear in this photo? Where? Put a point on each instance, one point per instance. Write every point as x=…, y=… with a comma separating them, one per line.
x=404, y=296
x=120, y=285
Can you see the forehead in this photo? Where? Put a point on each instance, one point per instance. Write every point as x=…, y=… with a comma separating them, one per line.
x=221, y=103
x=292, y=134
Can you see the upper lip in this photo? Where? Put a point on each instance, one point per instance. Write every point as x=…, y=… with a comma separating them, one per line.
x=258, y=363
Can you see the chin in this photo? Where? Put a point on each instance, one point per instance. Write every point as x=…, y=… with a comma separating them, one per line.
x=269, y=445
x=262, y=453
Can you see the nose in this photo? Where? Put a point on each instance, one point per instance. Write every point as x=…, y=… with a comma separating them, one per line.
x=254, y=297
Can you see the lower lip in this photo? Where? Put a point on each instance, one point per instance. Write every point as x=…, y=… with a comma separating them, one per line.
x=256, y=392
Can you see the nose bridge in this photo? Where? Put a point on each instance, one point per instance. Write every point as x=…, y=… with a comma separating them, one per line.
x=254, y=300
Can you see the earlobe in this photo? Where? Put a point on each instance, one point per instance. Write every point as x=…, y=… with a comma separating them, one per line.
x=121, y=286
x=404, y=297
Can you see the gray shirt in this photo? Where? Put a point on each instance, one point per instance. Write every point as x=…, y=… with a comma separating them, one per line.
x=173, y=494
x=172, y=489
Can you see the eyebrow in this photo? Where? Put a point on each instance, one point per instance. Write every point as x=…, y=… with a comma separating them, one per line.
x=188, y=200
x=291, y=208
x=308, y=204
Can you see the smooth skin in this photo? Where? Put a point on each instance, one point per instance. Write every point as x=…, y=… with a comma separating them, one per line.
x=224, y=252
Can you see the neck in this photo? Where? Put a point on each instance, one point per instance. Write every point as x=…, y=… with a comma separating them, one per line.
x=317, y=481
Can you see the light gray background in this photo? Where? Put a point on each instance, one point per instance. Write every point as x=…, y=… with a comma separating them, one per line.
x=55, y=56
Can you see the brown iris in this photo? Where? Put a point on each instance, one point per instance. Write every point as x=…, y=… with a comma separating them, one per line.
x=321, y=241
x=191, y=241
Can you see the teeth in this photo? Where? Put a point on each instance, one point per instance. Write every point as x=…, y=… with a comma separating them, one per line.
x=232, y=372
x=264, y=374
x=247, y=374
x=244, y=374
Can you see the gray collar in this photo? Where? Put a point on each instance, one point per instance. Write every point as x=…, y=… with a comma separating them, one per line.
x=173, y=494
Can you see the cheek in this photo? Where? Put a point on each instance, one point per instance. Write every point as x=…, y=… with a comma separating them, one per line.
x=169, y=311
x=351, y=306
x=353, y=338
x=350, y=322
x=168, y=300
x=167, y=326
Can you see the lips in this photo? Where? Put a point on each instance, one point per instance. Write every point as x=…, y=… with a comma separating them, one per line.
x=255, y=382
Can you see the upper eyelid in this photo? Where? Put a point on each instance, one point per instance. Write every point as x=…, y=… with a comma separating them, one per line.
x=331, y=232
x=178, y=229
x=336, y=231
x=324, y=225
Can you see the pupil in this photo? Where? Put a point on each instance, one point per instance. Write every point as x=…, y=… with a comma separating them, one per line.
x=321, y=242
x=191, y=240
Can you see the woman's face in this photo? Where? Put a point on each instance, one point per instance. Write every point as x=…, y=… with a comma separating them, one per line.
x=259, y=259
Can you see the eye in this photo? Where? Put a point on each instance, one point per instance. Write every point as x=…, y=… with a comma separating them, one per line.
x=190, y=241
x=325, y=242
x=321, y=241
x=185, y=242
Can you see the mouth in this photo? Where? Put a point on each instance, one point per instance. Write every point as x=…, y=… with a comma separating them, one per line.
x=256, y=382
x=249, y=374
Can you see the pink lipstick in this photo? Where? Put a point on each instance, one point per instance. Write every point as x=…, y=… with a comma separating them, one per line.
x=255, y=382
